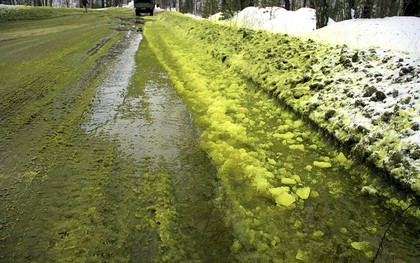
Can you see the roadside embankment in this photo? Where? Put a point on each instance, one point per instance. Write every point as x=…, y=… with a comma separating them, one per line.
x=14, y=13
x=61, y=188
x=368, y=100
x=287, y=193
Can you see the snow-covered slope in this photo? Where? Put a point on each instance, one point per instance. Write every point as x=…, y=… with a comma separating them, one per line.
x=391, y=33
x=367, y=89
x=275, y=19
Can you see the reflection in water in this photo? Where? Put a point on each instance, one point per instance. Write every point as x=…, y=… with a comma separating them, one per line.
x=154, y=128
x=114, y=87
x=151, y=125
x=156, y=124
x=334, y=223
x=159, y=124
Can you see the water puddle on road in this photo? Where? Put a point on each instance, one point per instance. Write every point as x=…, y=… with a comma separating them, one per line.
x=152, y=124
x=137, y=107
x=335, y=209
x=181, y=212
x=110, y=94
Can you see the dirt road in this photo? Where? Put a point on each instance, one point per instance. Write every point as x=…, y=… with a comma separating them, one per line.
x=100, y=160
x=70, y=166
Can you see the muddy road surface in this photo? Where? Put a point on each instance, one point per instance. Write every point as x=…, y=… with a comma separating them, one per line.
x=97, y=165
x=100, y=161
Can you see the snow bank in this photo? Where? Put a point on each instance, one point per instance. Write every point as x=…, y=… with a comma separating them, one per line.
x=365, y=93
x=276, y=19
x=130, y=5
x=7, y=6
x=391, y=33
x=400, y=34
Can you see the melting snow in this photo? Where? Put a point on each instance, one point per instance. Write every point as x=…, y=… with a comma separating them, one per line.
x=394, y=41
x=391, y=33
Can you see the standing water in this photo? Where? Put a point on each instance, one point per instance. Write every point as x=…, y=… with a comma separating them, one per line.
x=176, y=184
x=326, y=207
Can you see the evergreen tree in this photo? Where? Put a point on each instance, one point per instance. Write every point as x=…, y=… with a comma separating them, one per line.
x=411, y=8
x=186, y=6
x=210, y=7
x=287, y=4
x=321, y=8
x=230, y=7
x=367, y=9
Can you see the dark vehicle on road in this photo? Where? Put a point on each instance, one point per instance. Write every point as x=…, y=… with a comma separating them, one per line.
x=144, y=6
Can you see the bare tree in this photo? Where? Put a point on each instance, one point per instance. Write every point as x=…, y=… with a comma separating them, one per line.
x=287, y=4
x=351, y=5
x=321, y=8
x=312, y=3
x=367, y=9
x=411, y=8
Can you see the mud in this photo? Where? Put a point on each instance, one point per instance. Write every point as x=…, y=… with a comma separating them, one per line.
x=100, y=159
x=291, y=194
x=152, y=126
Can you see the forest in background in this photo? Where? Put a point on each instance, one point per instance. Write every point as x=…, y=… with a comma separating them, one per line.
x=66, y=3
x=338, y=10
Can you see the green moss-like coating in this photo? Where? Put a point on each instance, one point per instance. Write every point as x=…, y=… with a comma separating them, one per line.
x=248, y=137
x=322, y=164
x=285, y=199
x=318, y=234
x=288, y=181
x=299, y=147
x=363, y=245
x=304, y=192
x=320, y=83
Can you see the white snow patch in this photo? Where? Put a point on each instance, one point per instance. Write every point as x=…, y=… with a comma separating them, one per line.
x=130, y=5
x=394, y=41
x=277, y=19
x=7, y=6
x=215, y=17
x=194, y=16
x=401, y=34
x=393, y=33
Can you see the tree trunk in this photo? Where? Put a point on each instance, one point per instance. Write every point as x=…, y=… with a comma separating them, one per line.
x=312, y=3
x=351, y=6
x=287, y=4
x=348, y=6
x=367, y=9
x=411, y=8
x=321, y=8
